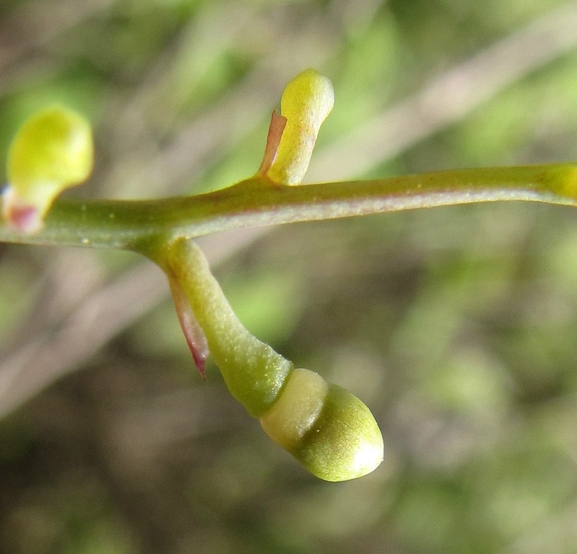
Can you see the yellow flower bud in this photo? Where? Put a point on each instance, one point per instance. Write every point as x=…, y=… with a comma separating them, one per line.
x=305, y=103
x=52, y=151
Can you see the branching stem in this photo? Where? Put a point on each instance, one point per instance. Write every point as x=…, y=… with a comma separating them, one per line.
x=139, y=225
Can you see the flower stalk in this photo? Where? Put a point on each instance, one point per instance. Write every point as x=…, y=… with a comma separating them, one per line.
x=139, y=224
x=327, y=429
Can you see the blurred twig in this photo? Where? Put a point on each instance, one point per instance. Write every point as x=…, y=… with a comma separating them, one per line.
x=60, y=345
x=35, y=25
x=448, y=98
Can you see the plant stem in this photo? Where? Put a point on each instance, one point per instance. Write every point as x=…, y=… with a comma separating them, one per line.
x=138, y=225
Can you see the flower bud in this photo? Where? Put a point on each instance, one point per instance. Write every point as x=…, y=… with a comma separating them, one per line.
x=326, y=428
x=305, y=103
x=52, y=151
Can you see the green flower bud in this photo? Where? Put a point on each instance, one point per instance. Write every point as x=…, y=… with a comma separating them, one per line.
x=327, y=429
x=53, y=150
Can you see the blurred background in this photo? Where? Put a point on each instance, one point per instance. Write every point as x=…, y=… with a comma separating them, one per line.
x=457, y=326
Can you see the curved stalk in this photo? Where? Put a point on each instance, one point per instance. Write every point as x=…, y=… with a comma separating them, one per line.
x=138, y=225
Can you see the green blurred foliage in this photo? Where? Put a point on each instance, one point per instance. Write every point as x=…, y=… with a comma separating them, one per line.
x=455, y=325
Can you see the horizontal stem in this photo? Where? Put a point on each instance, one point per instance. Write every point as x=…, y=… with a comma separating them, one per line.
x=135, y=225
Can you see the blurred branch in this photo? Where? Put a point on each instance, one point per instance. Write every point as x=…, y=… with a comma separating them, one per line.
x=33, y=26
x=448, y=98
x=62, y=344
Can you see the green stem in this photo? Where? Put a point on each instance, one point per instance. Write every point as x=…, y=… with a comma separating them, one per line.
x=254, y=373
x=138, y=225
